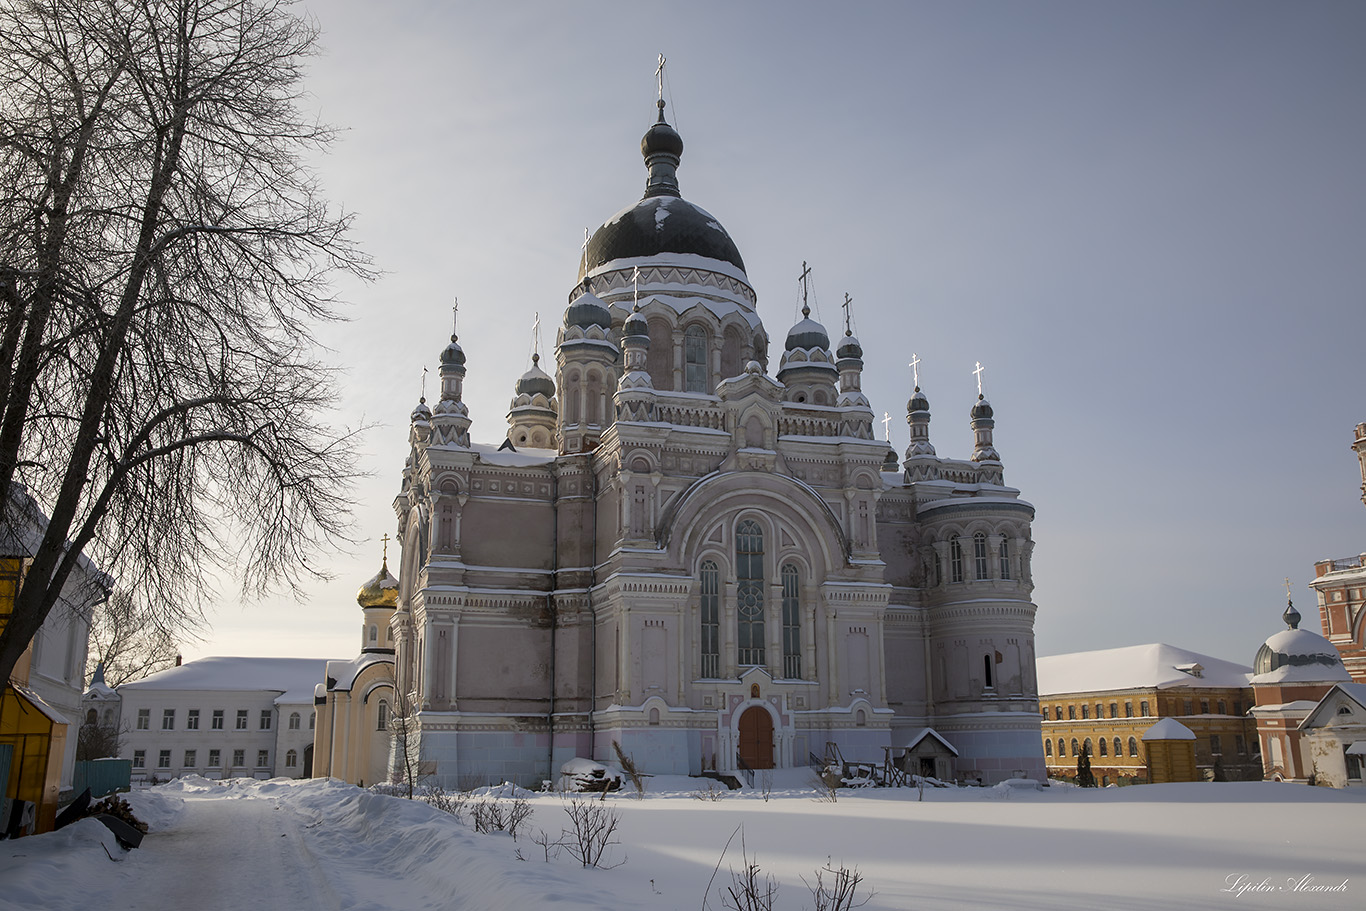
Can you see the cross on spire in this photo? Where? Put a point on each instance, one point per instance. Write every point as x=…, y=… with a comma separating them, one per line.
x=978, y=372
x=1287, y=588
x=659, y=76
x=455, y=316
x=804, y=279
x=635, y=280
x=424, y=385
x=848, y=326
x=384, y=539
x=887, y=425
x=536, y=338
x=915, y=369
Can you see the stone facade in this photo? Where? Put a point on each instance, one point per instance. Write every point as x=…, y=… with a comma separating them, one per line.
x=713, y=567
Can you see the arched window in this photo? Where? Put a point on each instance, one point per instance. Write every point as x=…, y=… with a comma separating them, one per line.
x=374, y=633
x=955, y=559
x=979, y=555
x=291, y=760
x=749, y=592
x=1103, y=747
x=293, y=721
x=1076, y=747
x=1062, y=749
x=1118, y=749
x=711, y=620
x=312, y=720
x=91, y=717
x=1048, y=748
x=1133, y=746
x=570, y=396
x=792, y=628
x=986, y=672
x=1086, y=747
x=695, y=360
x=1005, y=558
x=659, y=357
x=383, y=722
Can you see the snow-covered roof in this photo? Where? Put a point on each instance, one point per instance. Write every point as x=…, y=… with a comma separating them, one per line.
x=526, y=457
x=1168, y=729
x=342, y=674
x=283, y=675
x=1155, y=665
x=930, y=732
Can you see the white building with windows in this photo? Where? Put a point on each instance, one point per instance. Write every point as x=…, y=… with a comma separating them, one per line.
x=715, y=567
x=222, y=718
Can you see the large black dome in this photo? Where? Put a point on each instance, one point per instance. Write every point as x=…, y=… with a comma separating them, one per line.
x=663, y=221
x=660, y=224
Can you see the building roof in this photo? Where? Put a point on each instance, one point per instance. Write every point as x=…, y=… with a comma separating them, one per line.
x=287, y=676
x=1152, y=666
x=1299, y=656
x=1168, y=729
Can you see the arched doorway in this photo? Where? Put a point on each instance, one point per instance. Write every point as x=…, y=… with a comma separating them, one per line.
x=756, y=738
x=308, y=761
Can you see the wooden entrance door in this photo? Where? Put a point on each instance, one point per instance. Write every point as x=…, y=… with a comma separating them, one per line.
x=756, y=738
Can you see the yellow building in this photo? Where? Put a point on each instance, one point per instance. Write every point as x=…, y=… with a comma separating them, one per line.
x=1109, y=698
x=355, y=705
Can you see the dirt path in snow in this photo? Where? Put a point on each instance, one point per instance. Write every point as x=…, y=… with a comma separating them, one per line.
x=230, y=855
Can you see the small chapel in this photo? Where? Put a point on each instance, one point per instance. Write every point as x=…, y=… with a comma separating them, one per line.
x=709, y=562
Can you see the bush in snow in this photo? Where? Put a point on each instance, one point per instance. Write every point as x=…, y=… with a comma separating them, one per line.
x=593, y=826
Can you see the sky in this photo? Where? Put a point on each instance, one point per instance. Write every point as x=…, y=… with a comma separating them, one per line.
x=1146, y=221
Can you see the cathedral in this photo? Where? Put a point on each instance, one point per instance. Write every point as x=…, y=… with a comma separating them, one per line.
x=713, y=565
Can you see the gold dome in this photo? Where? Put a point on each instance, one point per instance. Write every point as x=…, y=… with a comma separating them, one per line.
x=381, y=591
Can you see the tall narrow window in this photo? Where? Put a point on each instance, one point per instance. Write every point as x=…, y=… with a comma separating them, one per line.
x=792, y=624
x=979, y=555
x=1005, y=558
x=711, y=620
x=749, y=592
x=955, y=559
x=695, y=359
x=382, y=723
x=987, y=679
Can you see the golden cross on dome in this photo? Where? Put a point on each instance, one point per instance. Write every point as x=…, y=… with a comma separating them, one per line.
x=1287, y=588
x=384, y=539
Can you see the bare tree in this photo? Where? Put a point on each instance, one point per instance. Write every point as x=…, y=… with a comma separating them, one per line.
x=164, y=253
x=129, y=639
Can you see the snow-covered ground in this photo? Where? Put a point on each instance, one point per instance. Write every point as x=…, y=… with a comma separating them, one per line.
x=243, y=845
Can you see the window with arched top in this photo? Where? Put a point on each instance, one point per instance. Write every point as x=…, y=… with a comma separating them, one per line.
x=1076, y=747
x=955, y=559
x=1119, y=750
x=792, y=623
x=695, y=372
x=312, y=720
x=291, y=759
x=1048, y=748
x=383, y=721
x=988, y=680
x=749, y=593
x=710, y=616
x=374, y=633
x=979, y=555
x=659, y=357
x=1062, y=748
x=1133, y=746
x=1103, y=747
x=294, y=721
x=1086, y=746
x=91, y=717
x=1005, y=558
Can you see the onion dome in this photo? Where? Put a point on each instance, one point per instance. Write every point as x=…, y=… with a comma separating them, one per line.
x=918, y=402
x=890, y=463
x=635, y=324
x=536, y=380
x=453, y=355
x=588, y=310
x=1296, y=655
x=380, y=591
x=807, y=334
x=662, y=221
x=849, y=347
x=981, y=409
x=421, y=412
